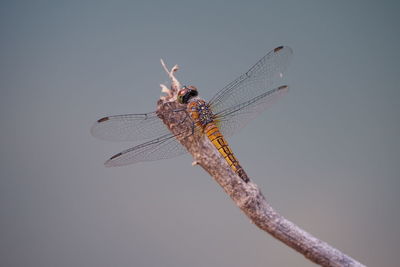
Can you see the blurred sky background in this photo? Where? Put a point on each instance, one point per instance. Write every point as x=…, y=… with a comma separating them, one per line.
x=326, y=156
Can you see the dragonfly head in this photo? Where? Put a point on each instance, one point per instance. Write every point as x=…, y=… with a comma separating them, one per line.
x=186, y=93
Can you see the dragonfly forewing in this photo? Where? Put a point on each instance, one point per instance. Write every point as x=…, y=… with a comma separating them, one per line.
x=130, y=127
x=267, y=72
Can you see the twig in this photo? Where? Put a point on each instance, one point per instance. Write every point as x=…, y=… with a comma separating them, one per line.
x=247, y=196
x=175, y=85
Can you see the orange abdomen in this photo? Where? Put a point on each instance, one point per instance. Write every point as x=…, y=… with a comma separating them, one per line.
x=203, y=119
x=223, y=148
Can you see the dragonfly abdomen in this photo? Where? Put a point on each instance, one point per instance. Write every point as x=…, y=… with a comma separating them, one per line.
x=223, y=148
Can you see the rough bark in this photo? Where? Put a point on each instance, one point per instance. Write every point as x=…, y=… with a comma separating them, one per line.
x=247, y=196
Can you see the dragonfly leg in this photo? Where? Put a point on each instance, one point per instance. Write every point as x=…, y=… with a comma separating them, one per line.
x=193, y=126
x=179, y=110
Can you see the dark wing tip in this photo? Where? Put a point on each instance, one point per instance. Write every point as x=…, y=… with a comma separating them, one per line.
x=108, y=163
x=103, y=119
x=278, y=48
x=115, y=156
x=283, y=87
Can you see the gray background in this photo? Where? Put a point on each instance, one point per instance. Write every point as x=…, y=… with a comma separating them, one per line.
x=326, y=155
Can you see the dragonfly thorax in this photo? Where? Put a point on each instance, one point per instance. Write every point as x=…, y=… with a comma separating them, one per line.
x=200, y=111
x=205, y=114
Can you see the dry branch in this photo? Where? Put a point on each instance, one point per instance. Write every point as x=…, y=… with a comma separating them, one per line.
x=247, y=196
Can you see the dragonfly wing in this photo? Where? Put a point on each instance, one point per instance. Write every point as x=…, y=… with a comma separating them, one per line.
x=164, y=147
x=234, y=118
x=268, y=71
x=130, y=127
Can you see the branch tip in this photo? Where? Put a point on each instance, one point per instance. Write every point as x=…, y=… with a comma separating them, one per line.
x=175, y=68
x=175, y=84
x=165, y=89
x=164, y=66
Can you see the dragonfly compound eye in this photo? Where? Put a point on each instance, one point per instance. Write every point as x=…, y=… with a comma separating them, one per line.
x=186, y=93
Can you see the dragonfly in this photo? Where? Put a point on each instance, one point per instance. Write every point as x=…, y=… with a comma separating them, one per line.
x=228, y=111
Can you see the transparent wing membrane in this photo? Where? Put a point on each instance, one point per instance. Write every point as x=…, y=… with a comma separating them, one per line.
x=160, y=148
x=233, y=119
x=166, y=146
x=267, y=72
x=131, y=127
